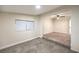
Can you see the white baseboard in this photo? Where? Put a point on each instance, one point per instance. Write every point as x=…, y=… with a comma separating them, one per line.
x=75, y=50
x=6, y=46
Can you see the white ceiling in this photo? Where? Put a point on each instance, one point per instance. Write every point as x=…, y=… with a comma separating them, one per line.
x=27, y=9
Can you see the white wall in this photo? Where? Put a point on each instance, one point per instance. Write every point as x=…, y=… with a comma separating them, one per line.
x=61, y=25
x=75, y=29
x=8, y=34
x=46, y=24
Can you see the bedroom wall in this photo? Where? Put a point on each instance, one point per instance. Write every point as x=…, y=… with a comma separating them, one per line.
x=61, y=25
x=8, y=34
x=75, y=29
x=46, y=24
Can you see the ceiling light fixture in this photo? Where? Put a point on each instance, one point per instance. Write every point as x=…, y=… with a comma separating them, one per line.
x=58, y=16
x=37, y=6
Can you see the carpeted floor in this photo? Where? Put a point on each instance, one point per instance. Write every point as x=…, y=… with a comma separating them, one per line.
x=37, y=46
x=62, y=38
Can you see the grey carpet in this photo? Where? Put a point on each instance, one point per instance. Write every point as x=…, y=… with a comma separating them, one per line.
x=37, y=46
x=61, y=38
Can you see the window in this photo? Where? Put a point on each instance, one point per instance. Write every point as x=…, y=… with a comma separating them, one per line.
x=29, y=25
x=24, y=25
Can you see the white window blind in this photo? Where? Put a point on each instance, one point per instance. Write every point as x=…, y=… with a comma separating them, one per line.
x=24, y=25
x=30, y=26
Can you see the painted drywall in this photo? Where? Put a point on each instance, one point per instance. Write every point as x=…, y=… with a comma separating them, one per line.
x=61, y=25
x=75, y=29
x=8, y=33
x=46, y=24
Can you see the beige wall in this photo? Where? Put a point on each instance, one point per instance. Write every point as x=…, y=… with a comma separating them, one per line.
x=46, y=24
x=75, y=29
x=61, y=25
x=8, y=34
